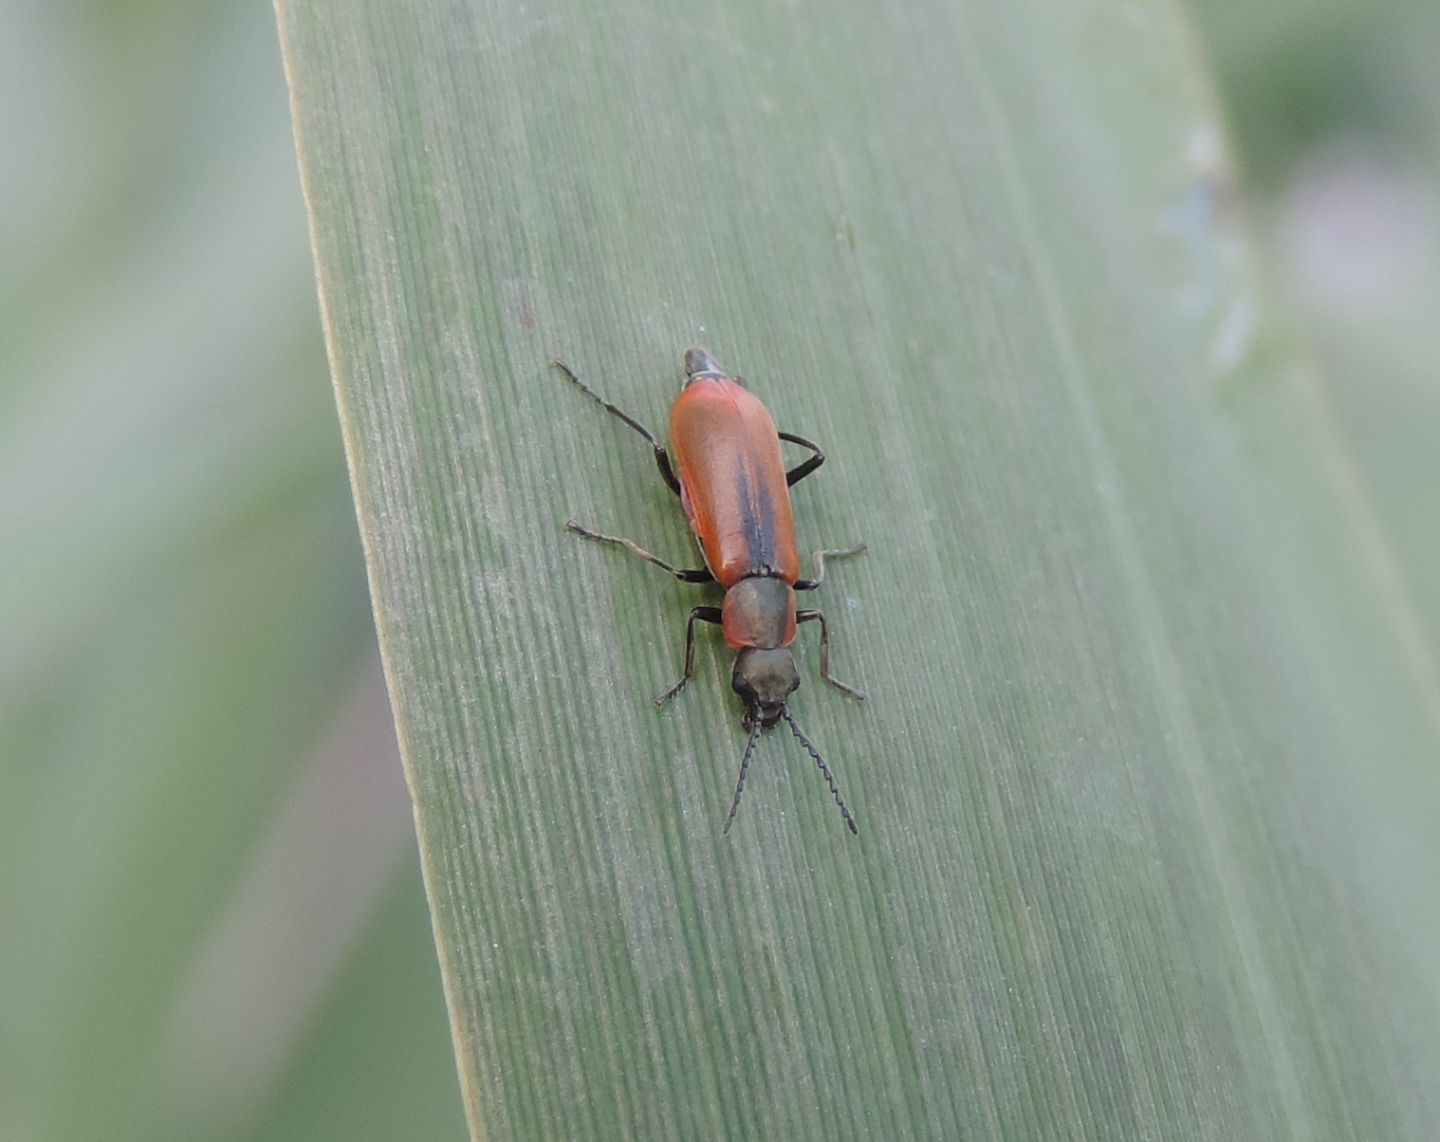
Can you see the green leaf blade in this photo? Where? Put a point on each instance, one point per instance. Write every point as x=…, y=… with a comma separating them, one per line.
x=1113, y=821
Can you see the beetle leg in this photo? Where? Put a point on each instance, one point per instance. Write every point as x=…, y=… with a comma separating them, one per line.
x=805, y=467
x=697, y=614
x=819, y=560
x=817, y=617
x=662, y=458
x=684, y=574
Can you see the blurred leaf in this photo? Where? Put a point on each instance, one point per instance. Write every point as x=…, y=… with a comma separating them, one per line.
x=1353, y=218
x=182, y=604
x=1293, y=72
x=1147, y=784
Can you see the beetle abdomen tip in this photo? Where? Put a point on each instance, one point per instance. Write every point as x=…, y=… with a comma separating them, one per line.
x=698, y=360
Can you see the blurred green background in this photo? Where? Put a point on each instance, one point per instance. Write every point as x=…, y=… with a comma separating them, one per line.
x=1334, y=108
x=211, y=918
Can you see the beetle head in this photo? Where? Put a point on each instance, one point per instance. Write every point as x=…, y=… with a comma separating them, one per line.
x=764, y=679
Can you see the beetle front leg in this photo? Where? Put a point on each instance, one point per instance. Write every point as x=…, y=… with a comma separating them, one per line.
x=817, y=617
x=697, y=614
x=684, y=574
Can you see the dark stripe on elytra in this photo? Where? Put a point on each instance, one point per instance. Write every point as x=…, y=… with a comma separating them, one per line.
x=757, y=521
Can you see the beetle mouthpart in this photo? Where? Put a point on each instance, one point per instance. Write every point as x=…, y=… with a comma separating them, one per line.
x=698, y=360
x=757, y=713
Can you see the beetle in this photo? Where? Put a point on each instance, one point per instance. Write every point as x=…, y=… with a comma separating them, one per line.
x=735, y=488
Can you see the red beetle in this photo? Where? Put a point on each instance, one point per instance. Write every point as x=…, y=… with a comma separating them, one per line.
x=736, y=492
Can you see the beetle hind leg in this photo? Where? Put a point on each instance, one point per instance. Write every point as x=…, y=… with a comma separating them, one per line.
x=805, y=467
x=662, y=458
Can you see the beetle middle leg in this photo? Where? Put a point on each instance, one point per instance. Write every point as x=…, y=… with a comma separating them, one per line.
x=684, y=574
x=818, y=558
x=817, y=617
x=662, y=458
x=697, y=614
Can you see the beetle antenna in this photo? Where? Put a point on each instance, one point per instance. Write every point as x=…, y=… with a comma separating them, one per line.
x=744, y=765
x=820, y=761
